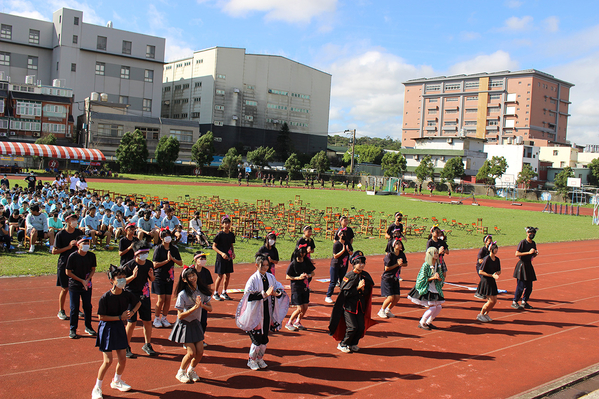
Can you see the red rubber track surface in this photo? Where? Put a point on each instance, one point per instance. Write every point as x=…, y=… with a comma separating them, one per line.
x=520, y=350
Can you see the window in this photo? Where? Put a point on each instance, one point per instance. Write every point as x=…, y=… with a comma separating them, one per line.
x=185, y=86
x=126, y=47
x=428, y=88
x=6, y=32
x=184, y=136
x=187, y=63
x=433, y=111
x=496, y=83
x=195, y=114
x=75, y=39
x=219, y=107
x=177, y=87
x=471, y=110
x=450, y=123
x=200, y=61
x=197, y=84
x=123, y=99
x=452, y=86
x=279, y=92
x=150, y=51
x=302, y=110
x=53, y=128
x=34, y=36
x=146, y=105
x=250, y=87
x=220, y=92
x=29, y=108
x=167, y=88
x=433, y=100
x=185, y=100
x=494, y=109
x=125, y=72
x=495, y=97
x=275, y=106
x=25, y=125
x=32, y=62
x=492, y=122
x=472, y=98
x=101, y=44
x=451, y=99
x=197, y=99
x=249, y=118
x=469, y=123
x=149, y=133
x=302, y=96
x=251, y=103
x=184, y=115
x=100, y=68
x=451, y=111
x=298, y=124
x=149, y=76
x=471, y=85
x=218, y=123
x=73, y=67
x=57, y=111
x=57, y=64
x=110, y=130
x=431, y=123
x=221, y=76
x=76, y=21
x=555, y=152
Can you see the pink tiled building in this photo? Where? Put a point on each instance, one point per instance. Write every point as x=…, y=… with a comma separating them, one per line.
x=503, y=107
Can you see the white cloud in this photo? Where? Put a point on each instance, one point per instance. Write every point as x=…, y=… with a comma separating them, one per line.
x=513, y=3
x=176, y=46
x=280, y=10
x=515, y=24
x=23, y=9
x=551, y=24
x=468, y=36
x=498, y=61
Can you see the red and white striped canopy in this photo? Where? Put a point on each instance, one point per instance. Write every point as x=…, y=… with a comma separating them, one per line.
x=50, y=151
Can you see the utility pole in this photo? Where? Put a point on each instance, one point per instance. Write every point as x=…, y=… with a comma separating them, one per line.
x=353, y=147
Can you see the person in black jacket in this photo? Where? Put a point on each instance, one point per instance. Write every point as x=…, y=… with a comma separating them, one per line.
x=351, y=314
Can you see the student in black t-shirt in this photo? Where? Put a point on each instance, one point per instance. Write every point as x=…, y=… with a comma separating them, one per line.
x=114, y=307
x=205, y=277
x=269, y=251
x=489, y=271
x=299, y=271
x=349, y=232
x=394, y=261
x=81, y=266
x=140, y=273
x=126, y=244
x=225, y=253
x=435, y=239
x=482, y=254
x=31, y=179
x=65, y=244
x=396, y=225
x=338, y=268
x=524, y=272
x=166, y=255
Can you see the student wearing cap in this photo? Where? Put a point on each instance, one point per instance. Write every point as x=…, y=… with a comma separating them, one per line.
x=262, y=309
x=166, y=255
x=205, y=277
x=299, y=271
x=351, y=314
x=36, y=226
x=396, y=225
x=140, y=273
x=225, y=253
x=428, y=291
x=524, y=272
x=126, y=244
x=269, y=251
x=80, y=268
x=393, y=262
x=64, y=245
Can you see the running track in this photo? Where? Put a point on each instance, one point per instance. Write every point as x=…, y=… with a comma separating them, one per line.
x=465, y=359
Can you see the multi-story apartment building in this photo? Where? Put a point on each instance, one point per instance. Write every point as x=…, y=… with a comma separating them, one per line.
x=87, y=58
x=502, y=107
x=244, y=99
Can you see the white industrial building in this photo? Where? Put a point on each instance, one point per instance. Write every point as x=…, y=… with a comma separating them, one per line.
x=245, y=98
x=127, y=66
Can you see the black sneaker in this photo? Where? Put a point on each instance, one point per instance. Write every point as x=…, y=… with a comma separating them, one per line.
x=525, y=305
x=148, y=349
x=62, y=315
x=73, y=334
x=516, y=305
x=130, y=354
x=226, y=296
x=82, y=315
x=90, y=331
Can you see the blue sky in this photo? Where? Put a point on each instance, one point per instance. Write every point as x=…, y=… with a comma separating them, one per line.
x=370, y=47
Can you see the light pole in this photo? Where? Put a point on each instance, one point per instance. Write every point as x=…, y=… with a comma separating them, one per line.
x=353, y=147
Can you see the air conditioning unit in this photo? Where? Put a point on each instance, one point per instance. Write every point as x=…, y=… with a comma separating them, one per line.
x=12, y=133
x=235, y=117
x=36, y=134
x=2, y=134
x=68, y=134
x=450, y=140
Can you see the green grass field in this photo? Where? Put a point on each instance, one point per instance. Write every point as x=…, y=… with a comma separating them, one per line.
x=553, y=228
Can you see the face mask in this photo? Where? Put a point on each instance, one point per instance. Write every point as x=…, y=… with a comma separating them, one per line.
x=143, y=256
x=121, y=283
x=271, y=242
x=88, y=196
x=167, y=239
x=202, y=262
x=101, y=211
x=74, y=223
x=85, y=247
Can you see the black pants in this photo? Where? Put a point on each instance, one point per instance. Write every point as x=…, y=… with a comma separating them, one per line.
x=6, y=240
x=261, y=337
x=86, y=298
x=354, y=328
x=523, y=289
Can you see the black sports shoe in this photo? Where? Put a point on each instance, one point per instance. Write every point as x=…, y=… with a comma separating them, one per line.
x=90, y=331
x=81, y=314
x=148, y=349
x=525, y=305
x=516, y=305
x=62, y=315
x=130, y=354
x=73, y=334
x=226, y=296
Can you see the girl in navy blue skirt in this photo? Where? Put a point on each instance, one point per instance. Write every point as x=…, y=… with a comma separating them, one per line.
x=113, y=311
x=193, y=298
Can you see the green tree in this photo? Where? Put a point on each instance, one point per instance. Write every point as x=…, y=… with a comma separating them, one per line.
x=498, y=166
x=526, y=175
x=167, y=152
x=365, y=154
x=284, y=143
x=491, y=170
x=202, y=151
x=261, y=156
x=293, y=166
x=132, y=153
x=320, y=162
x=48, y=139
x=561, y=180
x=393, y=164
x=425, y=170
x=453, y=169
x=230, y=161
x=594, y=169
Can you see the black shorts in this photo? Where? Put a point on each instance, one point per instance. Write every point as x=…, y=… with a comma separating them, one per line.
x=161, y=287
x=223, y=266
x=144, y=311
x=62, y=280
x=300, y=296
x=146, y=236
x=389, y=286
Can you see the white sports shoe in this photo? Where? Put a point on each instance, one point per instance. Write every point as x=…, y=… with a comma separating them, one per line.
x=253, y=365
x=157, y=323
x=388, y=313
x=261, y=363
x=182, y=377
x=328, y=299
x=382, y=314
x=488, y=318
x=32, y=249
x=343, y=348
x=481, y=318
x=165, y=322
x=120, y=385
x=97, y=393
x=193, y=375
